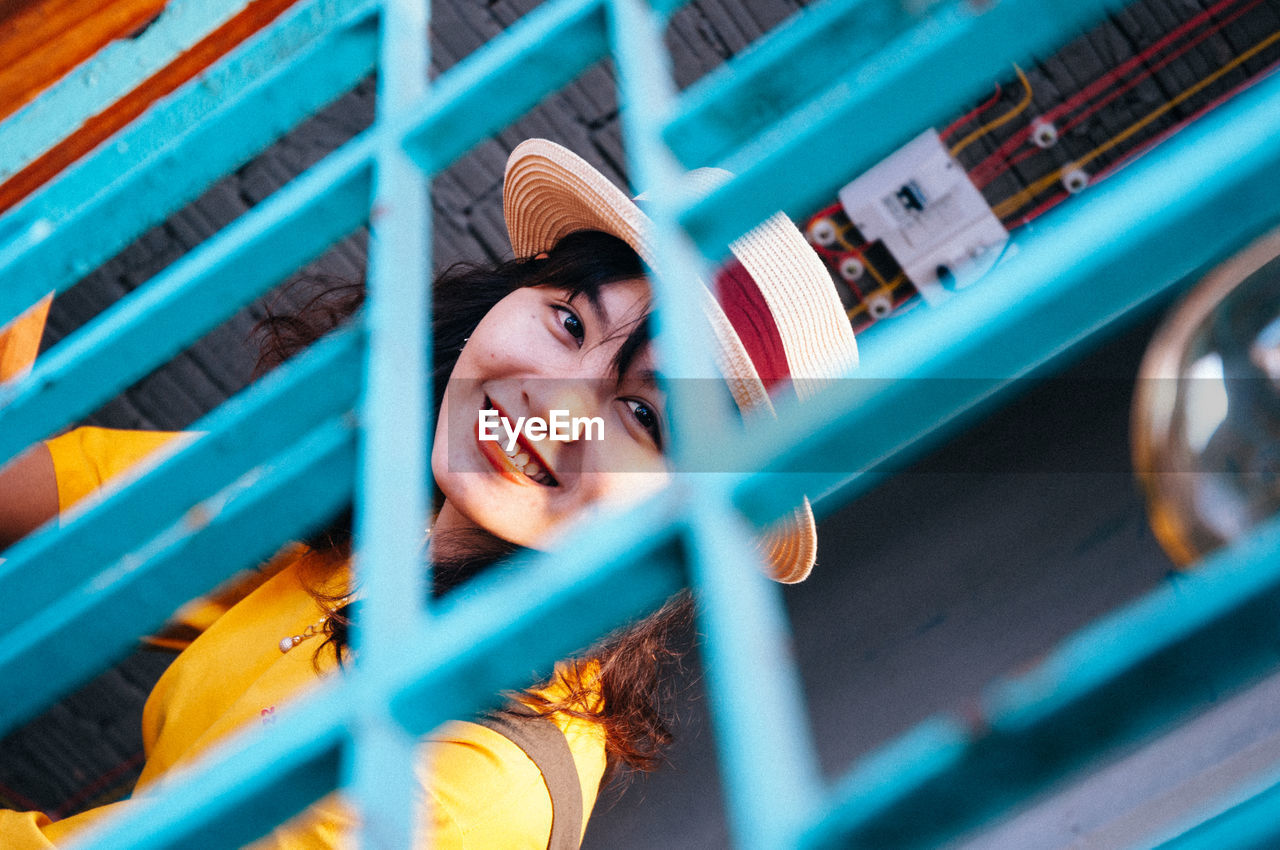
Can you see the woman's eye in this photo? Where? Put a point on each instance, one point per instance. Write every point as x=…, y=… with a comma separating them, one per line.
x=646, y=416
x=572, y=324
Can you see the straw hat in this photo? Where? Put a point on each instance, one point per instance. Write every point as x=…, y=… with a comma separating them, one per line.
x=774, y=312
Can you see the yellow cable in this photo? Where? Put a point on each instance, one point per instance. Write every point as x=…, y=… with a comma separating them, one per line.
x=845, y=243
x=1017, y=201
x=1002, y=120
x=870, y=266
x=885, y=289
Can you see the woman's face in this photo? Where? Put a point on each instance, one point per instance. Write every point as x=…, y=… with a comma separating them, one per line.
x=542, y=354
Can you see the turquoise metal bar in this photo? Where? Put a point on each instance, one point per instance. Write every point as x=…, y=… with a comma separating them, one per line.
x=493, y=633
x=247, y=72
x=1169, y=621
x=963, y=46
x=68, y=641
x=184, y=143
x=501, y=81
x=744, y=666
x=1116, y=682
x=396, y=444
x=883, y=777
x=1250, y=823
x=1193, y=200
x=189, y=298
x=483, y=641
x=253, y=781
x=97, y=83
x=747, y=667
x=241, y=434
x=776, y=76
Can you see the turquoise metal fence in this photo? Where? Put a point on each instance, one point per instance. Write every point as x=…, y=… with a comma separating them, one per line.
x=356, y=425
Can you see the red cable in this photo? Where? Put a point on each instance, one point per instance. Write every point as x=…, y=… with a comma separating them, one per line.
x=1062, y=194
x=982, y=107
x=1113, y=94
x=19, y=799
x=997, y=157
x=84, y=793
x=1106, y=79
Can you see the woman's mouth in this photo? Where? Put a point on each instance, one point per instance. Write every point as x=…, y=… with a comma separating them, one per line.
x=522, y=463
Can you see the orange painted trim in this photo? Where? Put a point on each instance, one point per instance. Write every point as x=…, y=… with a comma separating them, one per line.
x=41, y=41
x=102, y=126
x=20, y=340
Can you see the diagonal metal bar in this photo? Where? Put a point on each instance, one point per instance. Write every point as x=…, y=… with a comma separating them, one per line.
x=1202, y=194
x=253, y=781
x=885, y=776
x=486, y=639
x=776, y=76
x=241, y=434
x=507, y=77
x=1117, y=681
x=945, y=60
x=180, y=146
x=493, y=633
x=110, y=74
x=64, y=643
x=190, y=298
x=1250, y=823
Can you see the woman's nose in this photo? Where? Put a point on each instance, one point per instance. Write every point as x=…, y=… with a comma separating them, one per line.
x=562, y=398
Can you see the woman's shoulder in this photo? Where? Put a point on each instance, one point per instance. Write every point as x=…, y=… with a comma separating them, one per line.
x=86, y=458
x=516, y=810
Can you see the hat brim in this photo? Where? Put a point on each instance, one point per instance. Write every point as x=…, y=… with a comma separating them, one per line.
x=550, y=192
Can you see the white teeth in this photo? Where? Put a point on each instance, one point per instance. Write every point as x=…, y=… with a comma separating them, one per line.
x=527, y=465
x=531, y=468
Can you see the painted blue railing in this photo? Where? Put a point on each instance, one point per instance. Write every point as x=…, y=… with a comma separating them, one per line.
x=355, y=424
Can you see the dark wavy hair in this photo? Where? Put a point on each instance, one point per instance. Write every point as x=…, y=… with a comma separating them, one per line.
x=630, y=695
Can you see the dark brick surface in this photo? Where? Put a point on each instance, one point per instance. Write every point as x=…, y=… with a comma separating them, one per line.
x=935, y=606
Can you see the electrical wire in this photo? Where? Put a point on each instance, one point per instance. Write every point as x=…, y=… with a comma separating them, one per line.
x=977, y=110
x=885, y=289
x=999, y=161
x=1017, y=110
x=984, y=179
x=1020, y=199
x=1057, y=198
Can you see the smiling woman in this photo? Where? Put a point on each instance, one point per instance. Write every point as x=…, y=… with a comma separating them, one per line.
x=561, y=332
x=566, y=344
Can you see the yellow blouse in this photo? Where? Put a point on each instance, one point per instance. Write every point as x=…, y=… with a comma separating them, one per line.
x=234, y=675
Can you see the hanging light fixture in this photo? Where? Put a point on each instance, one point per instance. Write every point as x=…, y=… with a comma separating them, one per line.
x=1206, y=416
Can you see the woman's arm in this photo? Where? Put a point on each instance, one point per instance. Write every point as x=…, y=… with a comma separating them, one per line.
x=28, y=494
x=54, y=475
x=483, y=792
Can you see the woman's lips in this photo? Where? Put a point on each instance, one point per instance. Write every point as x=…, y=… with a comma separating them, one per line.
x=533, y=470
x=498, y=459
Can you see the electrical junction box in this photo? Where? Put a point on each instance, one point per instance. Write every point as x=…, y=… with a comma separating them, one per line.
x=921, y=204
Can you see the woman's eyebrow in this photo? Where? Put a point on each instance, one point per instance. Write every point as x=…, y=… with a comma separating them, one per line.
x=597, y=306
x=648, y=376
x=631, y=348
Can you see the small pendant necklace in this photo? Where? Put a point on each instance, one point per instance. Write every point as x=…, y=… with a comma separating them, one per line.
x=310, y=631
